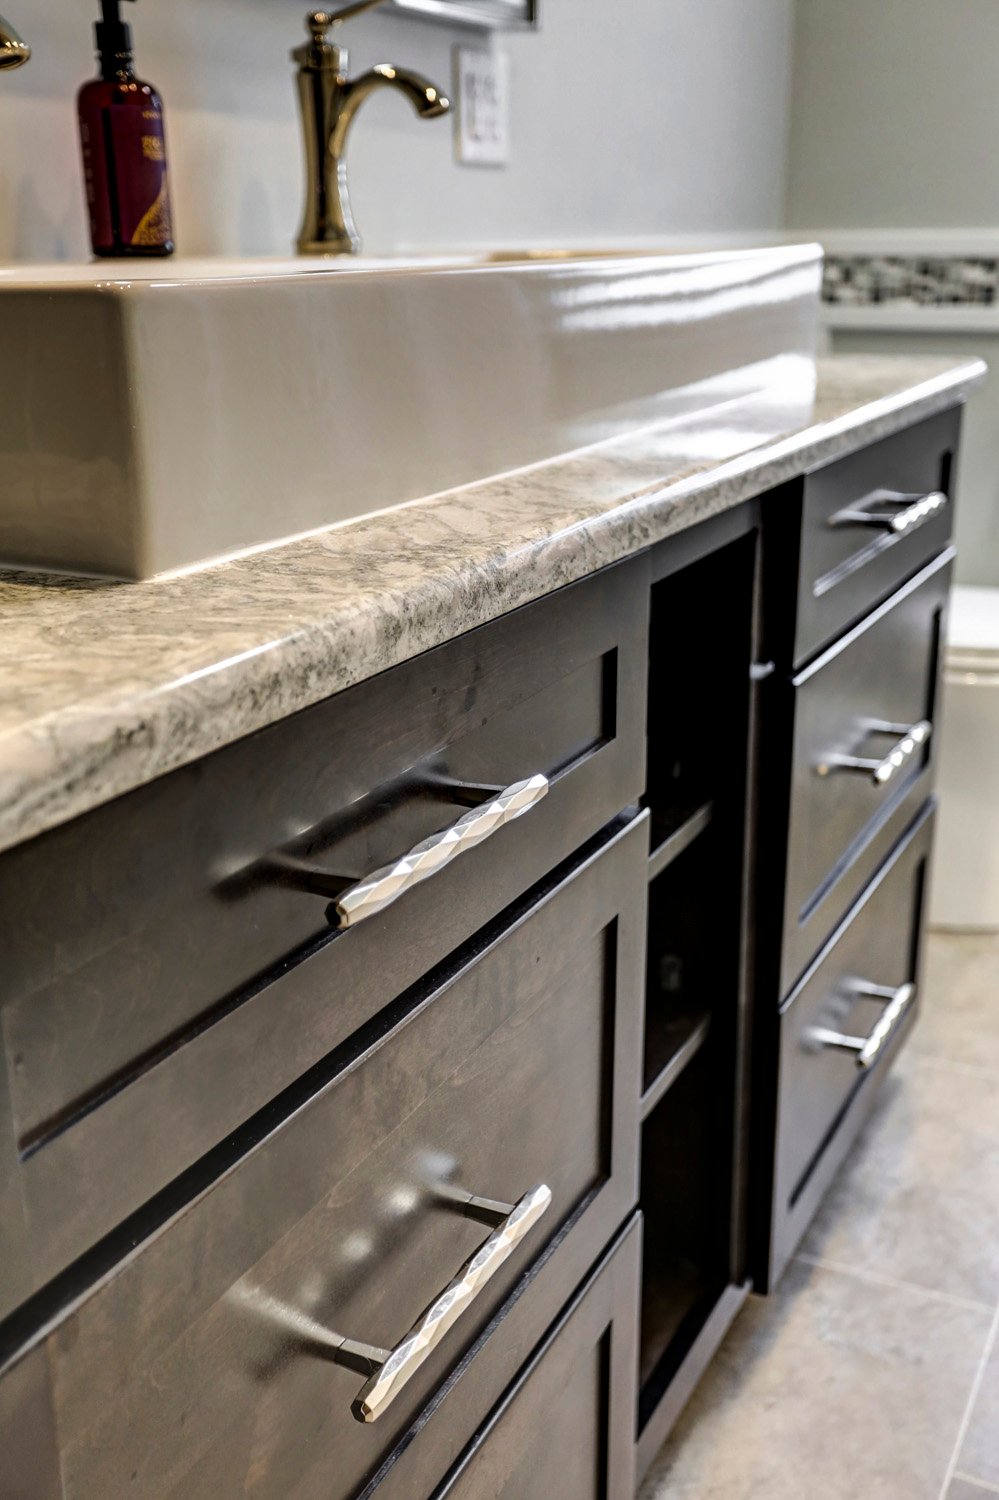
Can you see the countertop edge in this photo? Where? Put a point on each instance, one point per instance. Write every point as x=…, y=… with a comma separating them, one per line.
x=59, y=766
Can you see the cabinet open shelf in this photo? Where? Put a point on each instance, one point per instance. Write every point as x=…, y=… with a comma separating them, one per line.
x=668, y=1384
x=673, y=832
x=683, y=978
x=686, y=1155
x=701, y=647
x=674, y=1044
x=677, y=1299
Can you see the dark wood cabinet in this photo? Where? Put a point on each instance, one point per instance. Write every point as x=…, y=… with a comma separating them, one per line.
x=196, y=1367
x=165, y=984
x=849, y=730
x=248, y=1145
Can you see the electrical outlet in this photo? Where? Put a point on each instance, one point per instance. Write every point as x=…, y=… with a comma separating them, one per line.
x=483, y=94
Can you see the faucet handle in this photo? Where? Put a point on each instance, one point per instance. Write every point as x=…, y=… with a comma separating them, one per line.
x=320, y=21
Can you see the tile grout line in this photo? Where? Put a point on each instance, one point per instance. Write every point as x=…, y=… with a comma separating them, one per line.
x=976, y=1386
x=878, y=1278
x=979, y=1484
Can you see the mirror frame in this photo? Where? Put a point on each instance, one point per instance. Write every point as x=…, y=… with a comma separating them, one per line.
x=483, y=14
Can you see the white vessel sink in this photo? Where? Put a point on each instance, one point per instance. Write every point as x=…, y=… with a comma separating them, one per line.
x=162, y=415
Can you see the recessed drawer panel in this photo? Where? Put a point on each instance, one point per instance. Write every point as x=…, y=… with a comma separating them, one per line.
x=567, y=1425
x=175, y=964
x=839, y=1031
x=29, y=1467
x=493, y=1116
x=869, y=522
x=863, y=752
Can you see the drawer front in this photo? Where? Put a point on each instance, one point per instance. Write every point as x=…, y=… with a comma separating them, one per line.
x=869, y=522
x=170, y=977
x=203, y=1364
x=853, y=708
x=29, y=1467
x=863, y=988
x=566, y=1427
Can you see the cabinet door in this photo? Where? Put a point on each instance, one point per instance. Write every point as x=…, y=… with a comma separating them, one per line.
x=566, y=1426
x=203, y=1363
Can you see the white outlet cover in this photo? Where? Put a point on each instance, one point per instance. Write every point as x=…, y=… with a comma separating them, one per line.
x=483, y=95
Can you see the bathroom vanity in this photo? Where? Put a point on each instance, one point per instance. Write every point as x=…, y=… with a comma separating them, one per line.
x=428, y=1014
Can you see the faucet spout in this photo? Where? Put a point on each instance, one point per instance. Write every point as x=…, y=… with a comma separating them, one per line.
x=330, y=101
x=426, y=99
x=14, y=52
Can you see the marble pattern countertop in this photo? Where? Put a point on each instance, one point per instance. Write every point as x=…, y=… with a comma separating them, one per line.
x=105, y=686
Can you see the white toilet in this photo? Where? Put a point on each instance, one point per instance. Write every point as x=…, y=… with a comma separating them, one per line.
x=965, y=892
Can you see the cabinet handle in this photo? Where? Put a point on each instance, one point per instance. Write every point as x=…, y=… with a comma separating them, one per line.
x=389, y=1370
x=376, y=891
x=869, y=1048
x=353, y=900
x=903, y=512
x=883, y=770
x=514, y=1222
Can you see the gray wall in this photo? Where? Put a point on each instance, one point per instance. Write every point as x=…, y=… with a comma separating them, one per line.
x=895, y=114
x=633, y=121
x=895, y=126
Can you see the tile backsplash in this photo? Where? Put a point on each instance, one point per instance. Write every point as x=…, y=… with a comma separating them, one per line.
x=926, y=281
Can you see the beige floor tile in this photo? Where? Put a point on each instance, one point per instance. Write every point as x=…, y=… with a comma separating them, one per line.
x=959, y=1019
x=918, y=1199
x=835, y=1389
x=979, y=1456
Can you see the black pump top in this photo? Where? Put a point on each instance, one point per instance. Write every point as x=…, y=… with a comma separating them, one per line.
x=114, y=37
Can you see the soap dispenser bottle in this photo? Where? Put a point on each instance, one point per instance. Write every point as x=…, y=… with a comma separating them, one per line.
x=124, y=150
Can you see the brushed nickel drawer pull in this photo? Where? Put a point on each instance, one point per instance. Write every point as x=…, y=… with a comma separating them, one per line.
x=378, y=890
x=405, y=1359
x=883, y=770
x=352, y=900
x=390, y=1370
x=869, y=1048
x=902, y=513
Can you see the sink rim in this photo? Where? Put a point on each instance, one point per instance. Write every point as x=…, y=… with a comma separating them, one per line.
x=206, y=271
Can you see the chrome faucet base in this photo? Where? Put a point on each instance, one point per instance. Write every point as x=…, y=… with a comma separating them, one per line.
x=329, y=100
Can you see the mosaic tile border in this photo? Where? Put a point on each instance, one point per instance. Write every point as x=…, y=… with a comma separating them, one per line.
x=916, y=280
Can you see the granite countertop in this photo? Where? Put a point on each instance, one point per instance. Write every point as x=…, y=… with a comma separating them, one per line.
x=105, y=686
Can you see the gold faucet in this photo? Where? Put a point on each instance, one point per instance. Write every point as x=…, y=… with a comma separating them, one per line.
x=329, y=101
x=13, y=52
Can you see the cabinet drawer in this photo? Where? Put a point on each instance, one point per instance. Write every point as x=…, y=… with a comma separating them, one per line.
x=29, y=1468
x=863, y=987
x=169, y=977
x=566, y=1427
x=869, y=522
x=849, y=799
x=202, y=1364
